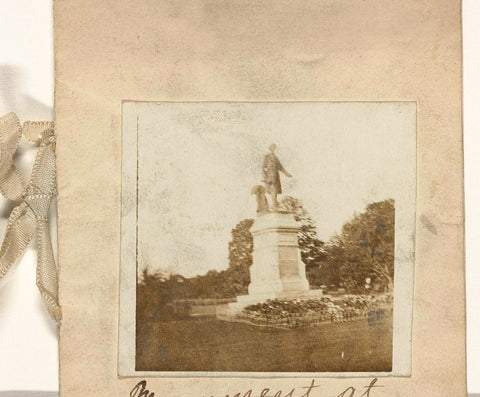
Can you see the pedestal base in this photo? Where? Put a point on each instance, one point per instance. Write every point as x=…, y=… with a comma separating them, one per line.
x=277, y=264
x=277, y=271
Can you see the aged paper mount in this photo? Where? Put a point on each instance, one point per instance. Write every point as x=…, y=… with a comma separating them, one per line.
x=111, y=52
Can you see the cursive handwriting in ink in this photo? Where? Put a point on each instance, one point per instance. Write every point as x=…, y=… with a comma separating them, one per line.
x=348, y=392
x=140, y=390
x=351, y=390
x=309, y=389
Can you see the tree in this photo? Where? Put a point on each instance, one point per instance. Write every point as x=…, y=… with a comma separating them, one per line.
x=365, y=247
x=240, y=250
x=156, y=293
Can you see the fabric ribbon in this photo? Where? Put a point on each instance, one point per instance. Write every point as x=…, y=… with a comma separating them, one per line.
x=29, y=218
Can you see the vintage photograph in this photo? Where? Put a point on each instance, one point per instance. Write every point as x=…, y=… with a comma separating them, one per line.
x=267, y=237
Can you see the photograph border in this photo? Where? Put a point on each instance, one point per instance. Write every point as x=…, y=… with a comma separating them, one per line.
x=403, y=294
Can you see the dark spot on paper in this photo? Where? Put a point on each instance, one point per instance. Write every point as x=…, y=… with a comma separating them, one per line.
x=428, y=224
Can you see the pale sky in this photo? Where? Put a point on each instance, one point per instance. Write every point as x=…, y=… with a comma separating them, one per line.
x=199, y=161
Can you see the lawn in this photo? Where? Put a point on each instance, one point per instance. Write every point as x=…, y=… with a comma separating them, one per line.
x=209, y=344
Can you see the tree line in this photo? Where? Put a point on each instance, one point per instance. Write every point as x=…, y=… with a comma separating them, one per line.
x=358, y=258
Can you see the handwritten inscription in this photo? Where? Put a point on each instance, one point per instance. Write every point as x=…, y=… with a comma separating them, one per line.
x=140, y=390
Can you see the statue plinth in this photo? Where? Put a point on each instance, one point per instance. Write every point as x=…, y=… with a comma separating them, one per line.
x=277, y=270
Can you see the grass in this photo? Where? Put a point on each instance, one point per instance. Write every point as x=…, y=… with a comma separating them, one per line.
x=209, y=344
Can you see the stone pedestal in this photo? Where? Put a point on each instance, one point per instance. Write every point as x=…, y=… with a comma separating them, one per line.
x=277, y=270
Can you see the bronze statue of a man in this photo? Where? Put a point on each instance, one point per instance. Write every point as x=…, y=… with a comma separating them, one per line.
x=271, y=174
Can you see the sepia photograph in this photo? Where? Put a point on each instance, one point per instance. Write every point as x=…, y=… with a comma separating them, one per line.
x=263, y=238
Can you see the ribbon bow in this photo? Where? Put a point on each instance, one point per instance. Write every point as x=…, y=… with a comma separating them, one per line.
x=30, y=216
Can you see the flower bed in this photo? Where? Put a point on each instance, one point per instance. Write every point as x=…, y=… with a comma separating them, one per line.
x=309, y=312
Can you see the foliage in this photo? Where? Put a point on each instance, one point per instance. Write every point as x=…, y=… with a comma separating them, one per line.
x=158, y=294
x=240, y=250
x=155, y=298
x=365, y=249
x=319, y=309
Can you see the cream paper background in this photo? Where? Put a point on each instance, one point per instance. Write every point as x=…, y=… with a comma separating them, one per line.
x=211, y=50
x=192, y=166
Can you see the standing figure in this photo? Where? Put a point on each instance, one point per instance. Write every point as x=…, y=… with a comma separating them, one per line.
x=271, y=175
